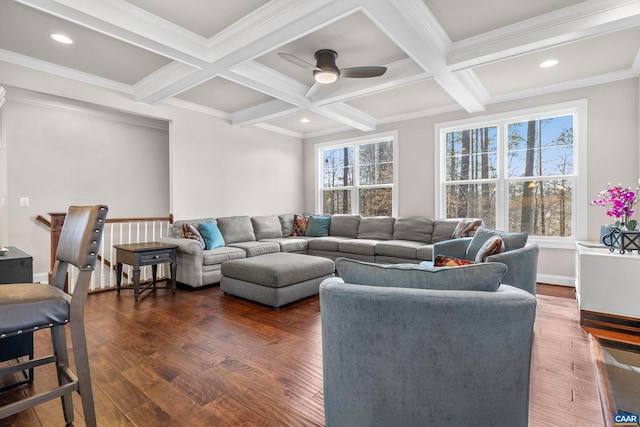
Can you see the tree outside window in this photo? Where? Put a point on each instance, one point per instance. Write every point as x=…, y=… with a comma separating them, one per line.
x=358, y=178
x=515, y=175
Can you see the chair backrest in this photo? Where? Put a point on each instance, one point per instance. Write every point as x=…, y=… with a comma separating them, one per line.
x=79, y=243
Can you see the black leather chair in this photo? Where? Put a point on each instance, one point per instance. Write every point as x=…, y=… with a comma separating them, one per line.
x=29, y=307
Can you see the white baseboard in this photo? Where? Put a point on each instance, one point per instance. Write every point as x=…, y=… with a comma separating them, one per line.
x=41, y=278
x=551, y=279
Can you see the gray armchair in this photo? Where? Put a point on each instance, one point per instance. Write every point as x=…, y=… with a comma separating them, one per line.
x=403, y=356
x=521, y=260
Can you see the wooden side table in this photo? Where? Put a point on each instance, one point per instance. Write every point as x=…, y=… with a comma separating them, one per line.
x=139, y=254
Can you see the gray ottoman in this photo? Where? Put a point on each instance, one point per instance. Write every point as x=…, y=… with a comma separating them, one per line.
x=275, y=279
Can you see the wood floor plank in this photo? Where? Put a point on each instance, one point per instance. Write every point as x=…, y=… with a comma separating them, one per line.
x=201, y=358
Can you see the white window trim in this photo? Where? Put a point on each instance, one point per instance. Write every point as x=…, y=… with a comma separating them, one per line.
x=579, y=213
x=368, y=139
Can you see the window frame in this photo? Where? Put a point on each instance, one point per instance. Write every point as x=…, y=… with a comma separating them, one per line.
x=355, y=143
x=577, y=109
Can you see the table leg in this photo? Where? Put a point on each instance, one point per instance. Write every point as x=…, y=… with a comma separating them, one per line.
x=136, y=282
x=174, y=269
x=118, y=275
x=154, y=274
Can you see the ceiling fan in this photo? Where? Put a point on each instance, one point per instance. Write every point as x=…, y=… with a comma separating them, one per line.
x=326, y=71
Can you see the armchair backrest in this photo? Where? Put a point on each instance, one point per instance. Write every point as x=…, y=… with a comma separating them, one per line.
x=420, y=357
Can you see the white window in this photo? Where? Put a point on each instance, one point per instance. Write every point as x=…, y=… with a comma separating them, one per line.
x=357, y=176
x=516, y=171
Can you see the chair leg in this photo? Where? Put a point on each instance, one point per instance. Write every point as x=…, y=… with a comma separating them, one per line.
x=81, y=356
x=59, y=341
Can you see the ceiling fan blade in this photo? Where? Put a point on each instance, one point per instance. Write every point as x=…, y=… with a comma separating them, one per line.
x=362, y=72
x=297, y=61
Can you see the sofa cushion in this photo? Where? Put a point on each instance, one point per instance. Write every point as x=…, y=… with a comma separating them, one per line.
x=512, y=240
x=329, y=243
x=474, y=277
x=344, y=225
x=266, y=227
x=376, y=227
x=257, y=248
x=190, y=231
x=236, y=229
x=425, y=252
x=211, y=235
x=300, y=223
x=290, y=244
x=220, y=255
x=398, y=248
x=443, y=229
x=466, y=227
x=417, y=228
x=318, y=226
x=358, y=246
x=286, y=223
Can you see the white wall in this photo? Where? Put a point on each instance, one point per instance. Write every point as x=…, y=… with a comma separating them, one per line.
x=215, y=169
x=613, y=153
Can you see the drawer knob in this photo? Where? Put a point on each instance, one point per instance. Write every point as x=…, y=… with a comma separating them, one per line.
x=157, y=256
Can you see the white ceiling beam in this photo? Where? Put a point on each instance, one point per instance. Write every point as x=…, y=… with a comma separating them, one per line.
x=278, y=23
x=123, y=21
x=410, y=24
x=570, y=24
x=264, y=112
x=343, y=113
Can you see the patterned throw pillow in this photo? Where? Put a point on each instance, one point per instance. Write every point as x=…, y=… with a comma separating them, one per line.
x=494, y=245
x=300, y=224
x=466, y=227
x=449, y=261
x=190, y=231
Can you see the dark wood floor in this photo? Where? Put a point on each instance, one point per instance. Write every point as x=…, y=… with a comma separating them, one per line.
x=203, y=359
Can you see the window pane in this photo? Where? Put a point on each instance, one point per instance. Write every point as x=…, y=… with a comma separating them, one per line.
x=376, y=163
x=472, y=201
x=338, y=167
x=541, y=208
x=541, y=147
x=375, y=201
x=471, y=154
x=336, y=202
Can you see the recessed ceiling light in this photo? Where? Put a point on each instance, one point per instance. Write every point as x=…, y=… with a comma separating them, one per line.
x=61, y=38
x=549, y=63
x=305, y=120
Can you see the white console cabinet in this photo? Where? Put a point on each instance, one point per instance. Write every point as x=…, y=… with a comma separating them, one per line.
x=608, y=282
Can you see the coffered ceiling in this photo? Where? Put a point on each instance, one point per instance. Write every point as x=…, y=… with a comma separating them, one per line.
x=220, y=57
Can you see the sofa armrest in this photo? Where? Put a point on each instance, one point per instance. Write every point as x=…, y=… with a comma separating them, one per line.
x=522, y=266
x=456, y=248
x=185, y=245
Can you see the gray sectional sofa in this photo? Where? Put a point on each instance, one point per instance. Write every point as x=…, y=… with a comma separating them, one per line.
x=375, y=239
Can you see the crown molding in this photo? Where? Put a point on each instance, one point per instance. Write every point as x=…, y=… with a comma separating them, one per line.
x=348, y=115
x=191, y=106
x=572, y=23
x=69, y=73
x=575, y=84
x=264, y=112
x=279, y=130
x=124, y=21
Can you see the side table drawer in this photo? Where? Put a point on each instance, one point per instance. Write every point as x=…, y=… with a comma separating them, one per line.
x=155, y=257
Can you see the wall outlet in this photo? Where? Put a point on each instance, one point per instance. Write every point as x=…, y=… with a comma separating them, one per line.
x=24, y=202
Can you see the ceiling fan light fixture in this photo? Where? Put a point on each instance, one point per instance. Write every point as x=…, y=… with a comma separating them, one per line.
x=325, y=76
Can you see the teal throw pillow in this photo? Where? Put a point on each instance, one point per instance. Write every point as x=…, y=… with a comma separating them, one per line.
x=211, y=235
x=318, y=226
